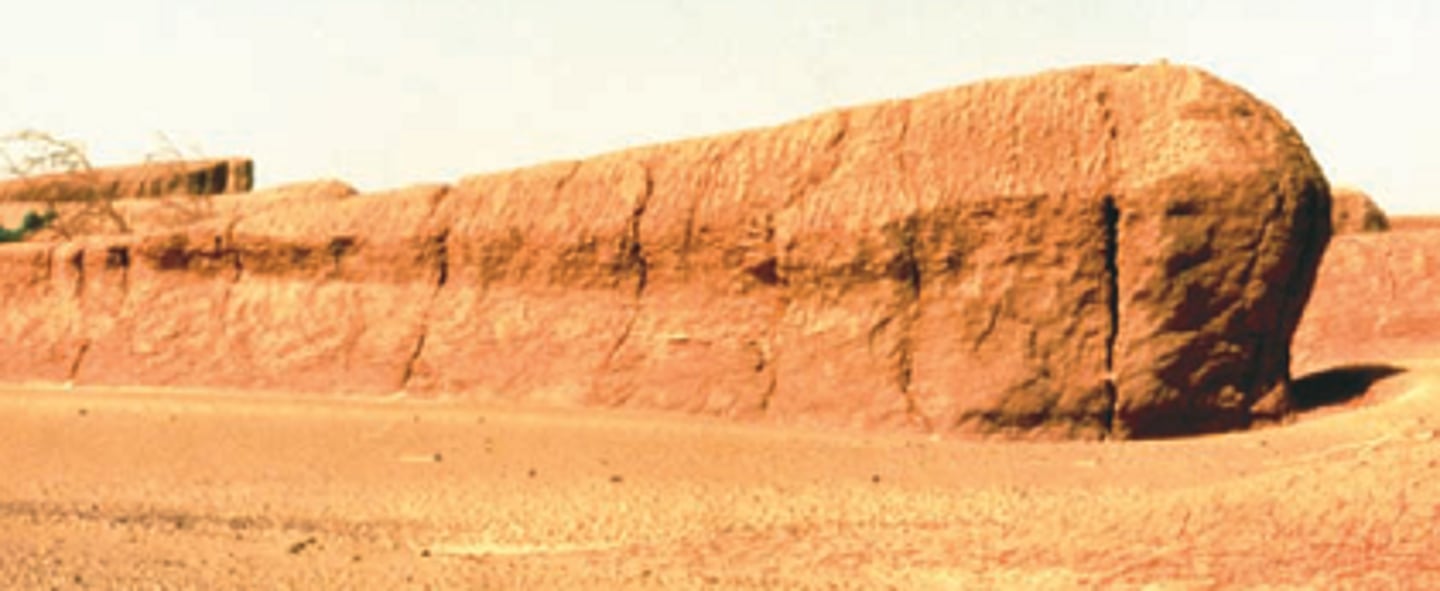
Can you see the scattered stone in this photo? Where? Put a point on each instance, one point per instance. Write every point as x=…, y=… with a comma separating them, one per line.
x=302, y=545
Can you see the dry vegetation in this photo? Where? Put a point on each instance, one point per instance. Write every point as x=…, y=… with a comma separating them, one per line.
x=81, y=206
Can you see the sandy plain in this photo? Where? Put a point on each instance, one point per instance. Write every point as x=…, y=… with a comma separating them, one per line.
x=146, y=489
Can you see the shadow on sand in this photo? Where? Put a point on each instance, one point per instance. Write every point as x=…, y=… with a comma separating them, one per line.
x=1338, y=385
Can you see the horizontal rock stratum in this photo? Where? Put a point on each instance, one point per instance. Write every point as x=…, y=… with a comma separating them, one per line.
x=1103, y=251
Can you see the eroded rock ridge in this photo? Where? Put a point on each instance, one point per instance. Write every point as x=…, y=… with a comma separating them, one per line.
x=1103, y=251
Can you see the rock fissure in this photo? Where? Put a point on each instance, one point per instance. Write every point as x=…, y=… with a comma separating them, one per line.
x=77, y=264
x=441, y=247
x=118, y=257
x=992, y=321
x=631, y=260
x=904, y=270
x=1110, y=216
x=438, y=250
x=771, y=273
x=415, y=353
x=78, y=359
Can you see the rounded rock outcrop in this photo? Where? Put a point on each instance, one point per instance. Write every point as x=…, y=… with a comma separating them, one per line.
x=1109, y=251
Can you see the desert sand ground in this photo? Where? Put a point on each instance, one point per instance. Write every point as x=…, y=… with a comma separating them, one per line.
x=174, y=490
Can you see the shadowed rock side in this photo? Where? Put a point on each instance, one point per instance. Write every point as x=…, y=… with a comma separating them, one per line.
x=1100, y=251
x=1376, y=300
x=154, y=179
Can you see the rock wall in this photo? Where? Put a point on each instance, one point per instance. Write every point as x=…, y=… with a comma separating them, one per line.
x=1376, y=301
x=1403, y=223
x=1105, y=251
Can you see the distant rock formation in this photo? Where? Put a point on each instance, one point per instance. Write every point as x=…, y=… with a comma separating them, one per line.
x=152, y=179
x=1376, y=300
x=1104, y=251
x=1354, y=211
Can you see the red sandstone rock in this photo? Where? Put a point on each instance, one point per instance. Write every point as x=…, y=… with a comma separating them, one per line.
x=941, y=262
x=1405, y=223
x=1376, y=300
x=1100, y=251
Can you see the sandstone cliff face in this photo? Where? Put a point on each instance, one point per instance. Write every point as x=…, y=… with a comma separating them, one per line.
x=1101, y=251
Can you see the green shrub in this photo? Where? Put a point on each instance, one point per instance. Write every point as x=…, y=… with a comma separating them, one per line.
x=33, y=222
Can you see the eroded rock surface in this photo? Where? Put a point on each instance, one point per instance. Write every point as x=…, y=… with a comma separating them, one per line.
x=1119, y=251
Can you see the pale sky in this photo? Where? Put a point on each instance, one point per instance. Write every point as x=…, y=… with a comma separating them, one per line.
x=384, y=93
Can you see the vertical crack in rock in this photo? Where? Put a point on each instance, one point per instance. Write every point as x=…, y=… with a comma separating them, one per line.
x=79, y=359
x=773, y=276
x=338, y=247
x=225, y=251
x=634, y=252
x=441, y=245
x=233, y=247
x=438, y=250
x=118, y=257
x=989, y=328
x=765, y=363
x=1110, y=221
x=904, y=269
x=415, y=353
x=632, y=260
x=77, y=263
x=1110, y=216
